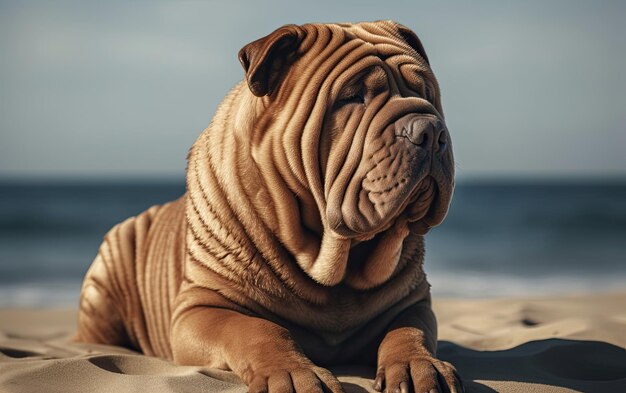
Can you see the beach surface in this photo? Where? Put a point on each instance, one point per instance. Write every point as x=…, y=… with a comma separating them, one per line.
x=550, y=344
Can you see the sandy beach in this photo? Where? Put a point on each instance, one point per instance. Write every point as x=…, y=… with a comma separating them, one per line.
x=552, y=344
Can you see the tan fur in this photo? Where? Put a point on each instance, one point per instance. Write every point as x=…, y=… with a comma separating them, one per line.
x=300, y=232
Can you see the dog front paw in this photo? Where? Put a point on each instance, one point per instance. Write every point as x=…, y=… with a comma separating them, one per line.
x=288, y=377
x=419, y=374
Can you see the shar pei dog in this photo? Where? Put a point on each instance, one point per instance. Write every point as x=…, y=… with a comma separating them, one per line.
x=298, y=243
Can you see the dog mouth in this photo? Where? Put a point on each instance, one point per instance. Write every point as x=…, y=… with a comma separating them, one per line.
x=422, y=205
x=373, y=258
x=422, y=200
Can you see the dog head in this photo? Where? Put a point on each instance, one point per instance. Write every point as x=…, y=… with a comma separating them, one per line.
x=353, y=118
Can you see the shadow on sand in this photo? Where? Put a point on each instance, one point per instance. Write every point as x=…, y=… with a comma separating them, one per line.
x=585, y=366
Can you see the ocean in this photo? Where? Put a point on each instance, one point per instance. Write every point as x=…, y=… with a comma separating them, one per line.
x=515, y=238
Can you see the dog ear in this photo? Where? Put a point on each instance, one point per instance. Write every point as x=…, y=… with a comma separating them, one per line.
x=411, y=38
x=266, y=59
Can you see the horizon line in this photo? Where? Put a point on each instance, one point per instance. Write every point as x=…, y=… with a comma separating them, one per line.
x=169, y=179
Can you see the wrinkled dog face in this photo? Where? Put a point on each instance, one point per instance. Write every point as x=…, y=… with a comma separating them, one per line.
x=386, y=151
x=357, y=111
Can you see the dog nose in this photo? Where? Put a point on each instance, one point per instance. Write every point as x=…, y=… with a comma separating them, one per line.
x=425, y=132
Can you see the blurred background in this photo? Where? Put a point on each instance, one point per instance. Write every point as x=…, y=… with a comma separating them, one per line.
x=100, y=102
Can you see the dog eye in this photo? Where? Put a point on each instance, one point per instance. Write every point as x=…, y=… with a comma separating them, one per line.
x=355, y=98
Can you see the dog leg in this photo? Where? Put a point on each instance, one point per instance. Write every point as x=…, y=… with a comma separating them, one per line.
x=406, y=356
x=261, y=352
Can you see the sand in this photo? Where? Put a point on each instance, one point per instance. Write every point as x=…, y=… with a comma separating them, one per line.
x=565, y=344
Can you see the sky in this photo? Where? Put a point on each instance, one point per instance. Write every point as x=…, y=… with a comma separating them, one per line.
x=96, y=90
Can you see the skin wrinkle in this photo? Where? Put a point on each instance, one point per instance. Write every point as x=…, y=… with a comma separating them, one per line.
x=290, y=175
x=269, y=175
x=126, y=294
x=311, y=221
x=283, y=188
x=261, y=195
x=150, y=317
x=150, y=313
x=112, y=257
x=351, y=175
x=232, y=227
x=377, y=197
x=163, y=312
x=251, y=213
x=204, y=298
x=106, y=255
x=226, y=292
x=228, y=178
x=202, y=280
x=309, y=138
x=223, y=257
x=105, y=263
x=339, y=77
x=298, y=241
x=415, y=85
x=158, y=314
x=137, y=321
x=341, y=152
x=421, y=76
x=143, y=276
x=239, y=203
x=199, y=244
x=210, y=279
x=227, y=233
x=290, y=104
x=349, y=167
x=239, y=249
x=200, y=263
x=390, y=82
x=283, y=143
x=173, y=272
x=225, y=250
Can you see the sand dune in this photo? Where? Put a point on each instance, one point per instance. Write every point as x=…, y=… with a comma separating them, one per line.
x=566, y=344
